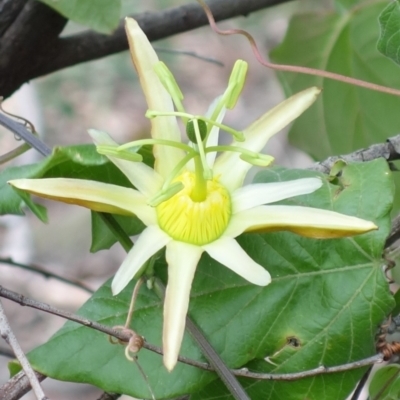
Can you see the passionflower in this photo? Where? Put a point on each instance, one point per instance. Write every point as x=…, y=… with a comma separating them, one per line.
x=193, y=200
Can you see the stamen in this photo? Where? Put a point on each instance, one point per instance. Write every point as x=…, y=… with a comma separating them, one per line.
x=262, y=160
x=171, y=86
x=233, y=91
x=258, y=159
x=236, y=83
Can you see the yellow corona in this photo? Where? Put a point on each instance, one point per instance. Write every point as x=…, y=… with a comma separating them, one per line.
x=196, y=222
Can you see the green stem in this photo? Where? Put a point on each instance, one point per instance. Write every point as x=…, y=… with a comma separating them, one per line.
x=14, y=153
x=117, y=230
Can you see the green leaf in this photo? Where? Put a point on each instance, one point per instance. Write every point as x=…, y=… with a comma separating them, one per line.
x=37, y=209
x=395, y=389
x=328, y=294
x=11, y=202
x=385, y=383
x=389, y=39
x=345, y=118
x=14, y=367
x=100, y=15
x=103, y=238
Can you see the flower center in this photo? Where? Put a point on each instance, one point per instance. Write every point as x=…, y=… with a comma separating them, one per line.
x=195, y=222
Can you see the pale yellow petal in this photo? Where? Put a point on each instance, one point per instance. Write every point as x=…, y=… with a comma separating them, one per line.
x=143, y=177
x=264, y=193
x=228, y=252
x=158, y=99
x=182, y=261
x=149, y=242
x=229, y=165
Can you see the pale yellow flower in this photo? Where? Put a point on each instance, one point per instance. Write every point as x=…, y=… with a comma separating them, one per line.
x=193, y=201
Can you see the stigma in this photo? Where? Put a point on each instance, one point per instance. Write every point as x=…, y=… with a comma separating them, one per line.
x=195, y=222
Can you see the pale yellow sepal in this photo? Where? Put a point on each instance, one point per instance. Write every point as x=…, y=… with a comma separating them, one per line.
x=258, y=134
x=305, y=221
x=97, y=196
x=145, y=58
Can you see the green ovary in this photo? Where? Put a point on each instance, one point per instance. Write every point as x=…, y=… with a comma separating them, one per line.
x=195, y=222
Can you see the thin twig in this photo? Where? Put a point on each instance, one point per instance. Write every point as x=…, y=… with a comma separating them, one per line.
x=123, y=336
x=8, y=335
x=376, y=359
x=226, y=375
x=17, y=386
x=390, y=151
x=20, y=119
x=46, y=274
x=26, y=135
